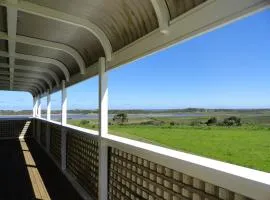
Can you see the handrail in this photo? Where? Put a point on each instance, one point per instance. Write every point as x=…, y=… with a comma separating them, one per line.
x=14, y=117
x=248, y=182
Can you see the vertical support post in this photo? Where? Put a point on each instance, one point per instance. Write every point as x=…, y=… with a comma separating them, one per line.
x=63, y=130
x=34, y=106
x=34, y=124
x=103, y=131
x=39, y=107
x=64, y=104
x=48, y=131
x=38, y=121
x=48, y=106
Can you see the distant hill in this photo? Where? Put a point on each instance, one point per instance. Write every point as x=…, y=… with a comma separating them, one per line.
x=141, y=111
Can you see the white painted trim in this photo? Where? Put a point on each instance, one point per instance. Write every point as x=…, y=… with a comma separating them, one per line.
x=204, y=18
x=34, y=69
x=84, y=131
x=36, y=76
x=12, y=14
x=34, y=106
x=57, y=63
x=64, y=18
x=248, y=182
x=103, y=97
x=48, y=106
x=33, y=83
x=32, y=91
x=162, y=14
x=48, y=44
x=63, y=148
x=70, y=178
x=64, y=104
x=103, y=130
x=39, y=107
x=33, y=86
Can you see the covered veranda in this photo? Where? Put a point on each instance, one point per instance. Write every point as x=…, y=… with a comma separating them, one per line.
x=47, y=46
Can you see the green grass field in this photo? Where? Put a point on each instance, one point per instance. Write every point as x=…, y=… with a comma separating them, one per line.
x=248, y=145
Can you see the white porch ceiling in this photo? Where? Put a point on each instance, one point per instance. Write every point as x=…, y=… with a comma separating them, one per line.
x=45, y=42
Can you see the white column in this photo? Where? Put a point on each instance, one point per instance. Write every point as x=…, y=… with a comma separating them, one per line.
x=64, y=104
x=39, y=107
x=38, y=115
x=34, y=106
x=103, y=98
x=64, y=122
x=48, y=106
x=103, y=130
x=48, y=132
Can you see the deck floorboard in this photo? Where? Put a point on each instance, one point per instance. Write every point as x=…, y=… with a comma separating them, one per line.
x=26, y=173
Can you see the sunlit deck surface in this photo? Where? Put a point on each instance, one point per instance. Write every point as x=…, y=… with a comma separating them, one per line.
x=26, y=172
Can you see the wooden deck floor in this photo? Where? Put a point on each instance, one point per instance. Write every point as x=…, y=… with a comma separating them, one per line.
x=26, y=173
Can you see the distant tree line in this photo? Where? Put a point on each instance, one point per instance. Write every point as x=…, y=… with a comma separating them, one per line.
x=139, y=111
x=229, y=121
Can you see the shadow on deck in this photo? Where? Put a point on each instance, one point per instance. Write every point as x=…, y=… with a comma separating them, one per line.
x=26, y=172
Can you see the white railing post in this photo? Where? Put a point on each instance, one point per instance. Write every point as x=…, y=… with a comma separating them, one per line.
x=63, y=122
x=103, y=131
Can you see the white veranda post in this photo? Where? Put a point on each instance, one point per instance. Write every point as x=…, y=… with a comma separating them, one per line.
x=103, y=130
x=64, y=104
x=38, y=107
x=63, y=122
x=34, y=106
x=48, y=106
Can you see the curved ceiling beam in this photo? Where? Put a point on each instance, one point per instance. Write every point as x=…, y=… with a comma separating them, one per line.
x=40, y=70
x=60, y=65
x=24, y=75
x=36, y=76
x=47, y=44
x=26, y=87
x=65, y=18
x=35, y=69
x=162, y=14
x=34, y=81
x=12, y=15
x=32, y=91
x=26, y=81
x=33, y=87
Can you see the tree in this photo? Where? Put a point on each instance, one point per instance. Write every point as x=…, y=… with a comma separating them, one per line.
x=84, y=122
x=211, y=121
x=232, y=121
x=120, y=117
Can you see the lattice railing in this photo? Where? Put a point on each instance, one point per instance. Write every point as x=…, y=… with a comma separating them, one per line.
x=131, y=177
x=82, y=161
x=139, y=171
x=55, y=142
x=14, y=128
x=43, y=133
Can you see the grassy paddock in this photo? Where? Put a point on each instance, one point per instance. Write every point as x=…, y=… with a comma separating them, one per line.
x=247, y=145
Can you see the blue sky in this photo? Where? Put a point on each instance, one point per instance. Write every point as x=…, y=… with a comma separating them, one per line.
x=226, y=68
